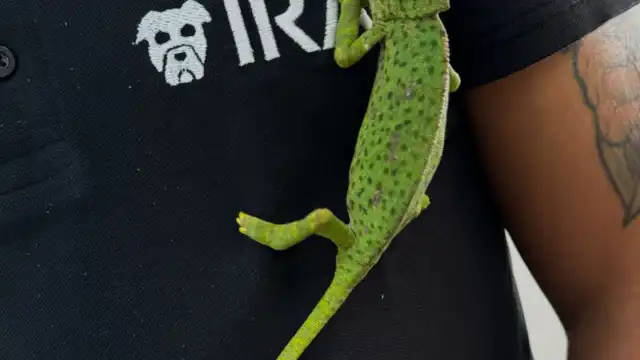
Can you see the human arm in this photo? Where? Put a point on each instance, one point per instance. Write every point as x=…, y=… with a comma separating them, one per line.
x=560, y=141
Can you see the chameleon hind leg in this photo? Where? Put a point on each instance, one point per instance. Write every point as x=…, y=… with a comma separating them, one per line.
x=320, y=222
x=350, y=47
x=422, y=205
x=454, y=80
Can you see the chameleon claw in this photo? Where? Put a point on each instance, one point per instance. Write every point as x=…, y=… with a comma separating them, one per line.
x=241, y=220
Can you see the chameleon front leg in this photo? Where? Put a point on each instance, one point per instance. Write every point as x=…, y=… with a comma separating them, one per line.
x=320, y=222
x=350, y=47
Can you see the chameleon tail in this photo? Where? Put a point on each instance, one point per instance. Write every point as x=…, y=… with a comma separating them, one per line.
x=331, y=301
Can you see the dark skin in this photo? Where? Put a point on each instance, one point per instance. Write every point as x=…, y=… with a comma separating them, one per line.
x=561, y=142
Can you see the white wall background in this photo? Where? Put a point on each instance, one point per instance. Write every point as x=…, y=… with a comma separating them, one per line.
x=547, y=337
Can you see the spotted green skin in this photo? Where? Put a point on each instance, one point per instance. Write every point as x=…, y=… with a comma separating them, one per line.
x=397, y=152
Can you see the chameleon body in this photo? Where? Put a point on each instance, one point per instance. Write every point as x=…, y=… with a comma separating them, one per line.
x=399, y=147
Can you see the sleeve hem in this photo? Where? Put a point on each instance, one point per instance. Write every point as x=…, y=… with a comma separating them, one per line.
x=543, y=39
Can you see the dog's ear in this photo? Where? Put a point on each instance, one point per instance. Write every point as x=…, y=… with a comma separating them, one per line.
x=146, y=28
x=196, y=12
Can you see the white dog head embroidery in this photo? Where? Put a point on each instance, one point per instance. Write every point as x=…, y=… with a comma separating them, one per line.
x=177, y=44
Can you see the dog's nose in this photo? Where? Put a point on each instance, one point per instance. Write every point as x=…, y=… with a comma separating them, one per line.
x=181, y=56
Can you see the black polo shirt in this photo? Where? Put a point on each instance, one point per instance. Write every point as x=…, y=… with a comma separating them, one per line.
x=132, y=132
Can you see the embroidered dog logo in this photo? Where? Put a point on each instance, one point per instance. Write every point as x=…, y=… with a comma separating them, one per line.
x=177, y=43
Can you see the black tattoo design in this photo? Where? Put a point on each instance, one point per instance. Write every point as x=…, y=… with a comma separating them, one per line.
x=606, y=65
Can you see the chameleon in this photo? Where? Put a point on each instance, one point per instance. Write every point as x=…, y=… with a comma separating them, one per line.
x=398, y=149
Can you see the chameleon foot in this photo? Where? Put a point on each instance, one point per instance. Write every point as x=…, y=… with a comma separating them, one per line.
x=454, y=80
x=320, y=222
x=423, y=204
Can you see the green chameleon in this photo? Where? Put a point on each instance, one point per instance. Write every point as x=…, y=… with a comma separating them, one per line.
x=397, y=152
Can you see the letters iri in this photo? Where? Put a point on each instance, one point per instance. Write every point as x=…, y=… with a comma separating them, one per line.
x=178, y=43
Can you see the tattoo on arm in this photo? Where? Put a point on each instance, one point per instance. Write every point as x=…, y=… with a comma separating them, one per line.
x=606, y=66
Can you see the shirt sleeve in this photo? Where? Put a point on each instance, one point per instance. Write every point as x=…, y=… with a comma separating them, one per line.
x=491, y=39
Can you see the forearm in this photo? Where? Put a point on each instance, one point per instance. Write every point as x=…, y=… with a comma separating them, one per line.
x=561, y=140
x=605, y=68
x=608, y=331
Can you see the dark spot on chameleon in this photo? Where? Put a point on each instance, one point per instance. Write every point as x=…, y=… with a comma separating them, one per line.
x=433, y=43
x=366, y=152
x=379, y=157
x=385, y=171
x=384, y=204
x=398, y=127
x=352, y=204
x=349, y=256
x=402, y=64
x=407, y=110
x=393, y=211
x=431, y=70
x=414, y=69
x=394, y=172
x=370, y=165
x=419, y=81
x=379, y=141
x=359, y=193
x=404, y=147
x=423, y=43
x=421, y=97
x=396, y=182
x=369, y=242
x=389, y=95
x=421, y=112
x=369, y=179
x=402, y=192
